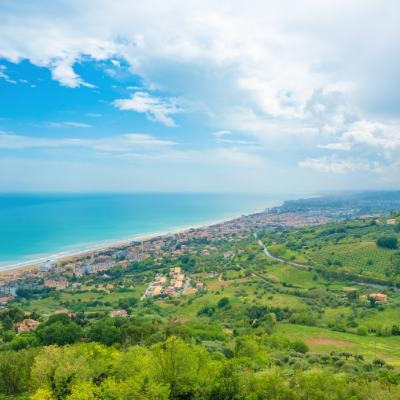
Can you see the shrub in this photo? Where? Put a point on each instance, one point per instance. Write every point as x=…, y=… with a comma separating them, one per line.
x=387, y=242
x=339, y=363
x=299, y=346
x=362, y=331
x=325, y=358
x=379, y=361
x=367, y=366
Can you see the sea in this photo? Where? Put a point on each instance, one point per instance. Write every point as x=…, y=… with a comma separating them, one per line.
x=36, y=227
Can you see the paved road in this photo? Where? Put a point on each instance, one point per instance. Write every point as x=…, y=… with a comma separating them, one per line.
x=148, y=287
x=268, y=254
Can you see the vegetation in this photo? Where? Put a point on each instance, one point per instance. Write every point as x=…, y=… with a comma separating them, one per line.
x=262, y=329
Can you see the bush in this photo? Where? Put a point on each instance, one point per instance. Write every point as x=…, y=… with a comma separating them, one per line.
x=299, y=346
x=387, y=242
x=379, y=361
x=362, y=331
x=367, y=366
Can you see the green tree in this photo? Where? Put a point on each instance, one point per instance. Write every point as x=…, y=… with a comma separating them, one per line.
x=223, y=302
x=362, y=331
x=299, y=346
x=379, y=361
x=7, y=323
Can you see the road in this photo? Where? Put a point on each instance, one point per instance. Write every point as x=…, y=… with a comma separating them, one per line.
x=268, y=254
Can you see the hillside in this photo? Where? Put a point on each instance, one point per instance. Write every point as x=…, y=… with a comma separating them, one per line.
x=260, y=328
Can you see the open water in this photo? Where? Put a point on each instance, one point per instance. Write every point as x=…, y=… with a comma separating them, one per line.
x=34, y=227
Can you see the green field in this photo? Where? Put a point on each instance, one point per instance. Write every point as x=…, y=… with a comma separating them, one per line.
x=365, y=256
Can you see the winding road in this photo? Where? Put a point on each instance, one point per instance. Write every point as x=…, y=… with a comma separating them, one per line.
x=268, y=254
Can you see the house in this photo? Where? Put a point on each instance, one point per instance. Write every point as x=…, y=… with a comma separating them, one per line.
x=27, y=325
x=170, y=291
x=64, y=311
x=178, y=285
x=61, y=285
x=180, y=277
x=109, y=286
x=240, y=251
x=200, y=285
x=8, y=290
x=157, y=290
x=50, y=283
x=391, y=222
x=379, y=296
x=4, y=300
x=119, y=313
x=46, y=266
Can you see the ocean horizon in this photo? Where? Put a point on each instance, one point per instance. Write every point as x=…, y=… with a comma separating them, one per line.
x=35, y=227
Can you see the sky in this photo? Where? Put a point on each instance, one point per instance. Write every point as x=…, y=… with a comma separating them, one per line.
x=208, y=96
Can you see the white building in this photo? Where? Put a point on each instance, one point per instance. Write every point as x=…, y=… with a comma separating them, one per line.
x=46, y=266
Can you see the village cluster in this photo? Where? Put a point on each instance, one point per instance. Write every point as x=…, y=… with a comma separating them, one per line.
x=62, y=274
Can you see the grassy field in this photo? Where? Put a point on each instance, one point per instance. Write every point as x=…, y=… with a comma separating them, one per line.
x=366, y=256
x=50, y=305
x=323, y=341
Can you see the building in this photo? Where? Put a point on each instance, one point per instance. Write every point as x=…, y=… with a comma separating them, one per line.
x=64, y=311
x=199, y=285
x=46, y=266
x=12, y=291
x=157, y=290
x=119, y=313
x=391, y=222
x=178, y=285
x=27, y=325
x=378, y=296
x=4, y=300
x=50, y=283
x=170, y=291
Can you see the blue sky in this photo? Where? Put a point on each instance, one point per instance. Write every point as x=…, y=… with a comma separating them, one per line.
x=207, y=96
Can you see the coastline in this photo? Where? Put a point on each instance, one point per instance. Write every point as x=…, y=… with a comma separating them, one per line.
x=33, y=264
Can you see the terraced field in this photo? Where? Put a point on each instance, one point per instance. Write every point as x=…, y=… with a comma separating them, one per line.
x=360, y=256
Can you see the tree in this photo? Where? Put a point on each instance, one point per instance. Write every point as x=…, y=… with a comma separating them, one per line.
x=362, y=331
x=387, y=242
x=7, y=323
x=34, y=315
x=379, y=361
x=325, y=357
x=352, y=295
x=367, y=366
x=386, y=330
x=346, y=354
x=58, y=329
x=299, y=346
x=358, y=357
x=372, y=301
x=223, y=302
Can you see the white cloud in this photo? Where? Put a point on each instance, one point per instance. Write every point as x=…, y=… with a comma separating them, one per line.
x=234, y=141
x=78, y=125
x=116, y=143
x=135, y=88
x=33, y=86
x=330, y=164
x=65, y=124
x=6, y=77
x=23, y=80
x=94, y=115
x=62, y=72
x=3, y=67
x=156, y=109
x=221, y=133
x=116, y=63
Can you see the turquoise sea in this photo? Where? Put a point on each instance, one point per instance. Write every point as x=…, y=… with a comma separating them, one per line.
x=38, y=226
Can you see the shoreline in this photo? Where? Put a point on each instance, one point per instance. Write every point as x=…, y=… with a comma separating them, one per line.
x=33, y=264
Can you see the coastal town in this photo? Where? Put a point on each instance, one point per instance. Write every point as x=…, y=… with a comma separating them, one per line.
x=69, y=274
